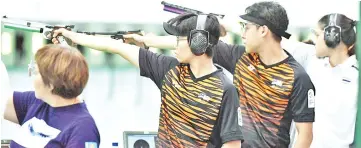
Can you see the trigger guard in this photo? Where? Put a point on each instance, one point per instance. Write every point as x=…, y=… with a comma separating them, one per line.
x=46, y=32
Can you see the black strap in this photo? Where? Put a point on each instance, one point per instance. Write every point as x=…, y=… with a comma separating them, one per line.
x=354, y=23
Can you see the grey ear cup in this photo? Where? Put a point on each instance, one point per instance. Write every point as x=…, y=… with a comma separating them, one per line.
x=199, y=37
x=332, y=32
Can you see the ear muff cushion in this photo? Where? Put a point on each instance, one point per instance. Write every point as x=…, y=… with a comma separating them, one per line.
x=332, y=36
x=198, y=41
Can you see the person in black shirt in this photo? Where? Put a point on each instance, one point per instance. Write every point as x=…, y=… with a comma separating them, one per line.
x=274, y=88
x=200, y=106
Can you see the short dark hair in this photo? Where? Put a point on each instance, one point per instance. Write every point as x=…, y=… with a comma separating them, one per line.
x=63, y=67
x=188, y=21
x=348, y=34
x=272, y=12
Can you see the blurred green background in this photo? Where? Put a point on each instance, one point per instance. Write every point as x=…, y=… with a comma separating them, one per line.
x=358, y=122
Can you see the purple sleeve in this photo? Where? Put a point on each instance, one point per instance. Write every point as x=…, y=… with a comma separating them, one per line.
x=22, y=102
x=85, y=133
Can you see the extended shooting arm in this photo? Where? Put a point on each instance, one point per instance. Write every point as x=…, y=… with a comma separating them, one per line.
x=114, y=35
x=119, y=35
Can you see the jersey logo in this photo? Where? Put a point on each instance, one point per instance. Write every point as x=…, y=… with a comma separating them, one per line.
x=276, y=82
x=240, y=122
x=346, y=80
x=204, y=96
x=175, y=84
x=251, y=68
x=35, y=133
x=311, y=98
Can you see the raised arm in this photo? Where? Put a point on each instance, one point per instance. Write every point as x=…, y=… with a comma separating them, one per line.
x=163, y=42
x=127, y=51
x=231, y=24
x=151, y=65
x=302, y=52
x=8, y=111
x=170, y=42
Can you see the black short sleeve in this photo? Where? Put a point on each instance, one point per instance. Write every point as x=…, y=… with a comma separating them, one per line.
x=227, y=55
x=231, y=117
x=303, y=98
x=155, y=66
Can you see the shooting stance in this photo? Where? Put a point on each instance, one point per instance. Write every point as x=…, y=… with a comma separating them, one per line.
x=200, y=106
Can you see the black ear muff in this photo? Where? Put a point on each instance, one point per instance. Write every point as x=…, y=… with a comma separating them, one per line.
x=199, y=38
x=332, y=32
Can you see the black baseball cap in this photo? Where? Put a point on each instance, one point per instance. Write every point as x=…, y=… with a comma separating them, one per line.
x=261, y=21
x=172, y=29
x=177, y=27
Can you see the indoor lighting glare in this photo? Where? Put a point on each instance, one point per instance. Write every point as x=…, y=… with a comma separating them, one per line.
x=37, y=41
x=6, y=43
x=95, y=52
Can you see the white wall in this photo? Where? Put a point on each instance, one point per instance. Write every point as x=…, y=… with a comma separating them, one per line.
x=151, y=11
x=127, y=111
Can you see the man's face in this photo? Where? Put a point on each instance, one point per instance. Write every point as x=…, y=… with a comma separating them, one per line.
x=183, y=52
x=251, y=36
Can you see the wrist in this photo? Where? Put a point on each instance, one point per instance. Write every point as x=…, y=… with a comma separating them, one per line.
x=145, y=40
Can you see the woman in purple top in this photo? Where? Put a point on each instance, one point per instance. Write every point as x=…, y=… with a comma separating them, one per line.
x=53, y=116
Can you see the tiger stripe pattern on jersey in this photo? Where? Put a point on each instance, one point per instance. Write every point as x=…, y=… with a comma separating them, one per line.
x=189, y=109
x=264, y=98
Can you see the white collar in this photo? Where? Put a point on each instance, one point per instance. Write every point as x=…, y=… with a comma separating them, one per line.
x=350, y=62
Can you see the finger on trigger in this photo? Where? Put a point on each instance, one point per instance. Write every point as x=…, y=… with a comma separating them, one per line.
x=55, y=33
x=54, y=40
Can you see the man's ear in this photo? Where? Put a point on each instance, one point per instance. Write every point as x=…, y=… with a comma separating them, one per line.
x=264, y=30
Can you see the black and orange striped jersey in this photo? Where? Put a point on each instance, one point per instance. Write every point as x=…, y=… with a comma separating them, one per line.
x=271, y=96
x=195, y=112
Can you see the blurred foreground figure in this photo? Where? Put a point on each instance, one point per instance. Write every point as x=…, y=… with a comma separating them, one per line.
x=52, y=116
